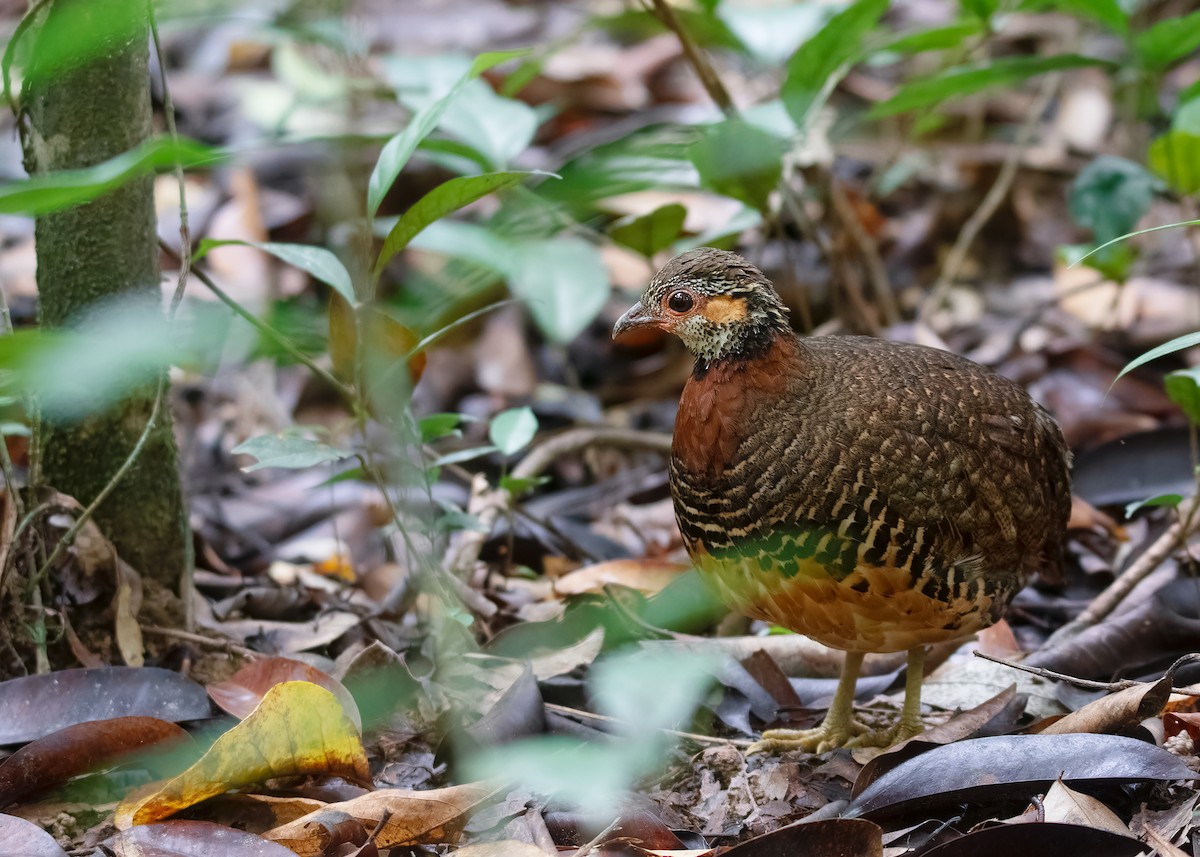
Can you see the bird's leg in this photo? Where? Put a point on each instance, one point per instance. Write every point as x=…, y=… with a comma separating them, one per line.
x=837, y=729
x=910, y=715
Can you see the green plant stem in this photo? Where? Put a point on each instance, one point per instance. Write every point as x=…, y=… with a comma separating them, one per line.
x=271, y=333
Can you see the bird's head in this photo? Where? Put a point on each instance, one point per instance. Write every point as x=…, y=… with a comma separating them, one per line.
x=717, y=303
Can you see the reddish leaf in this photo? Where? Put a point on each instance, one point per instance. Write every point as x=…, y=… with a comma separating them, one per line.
x=78, y=749
x=243, y=691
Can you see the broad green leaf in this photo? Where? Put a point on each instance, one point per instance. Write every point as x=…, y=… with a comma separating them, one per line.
x=1176, y=157
x=982, y=9
x=1168, y=41
x=437, y=426
x=444, y=199
x=563, y=282
x=520, y=485
x=1113, y=260
x=823, y=60
x=648, y=693
x=651, y=232
x=1106, y=12
x=966, y=80
x=498, y=128
x=1168, y=500
x=773, y=32
x=1188, y=94
x=55, y=191
x=288, y=451
x=1110, y=195
x=1187, y=116
x=1183, y=388
x=739, y=161
x=400, y=148
x=1179, y=343
x=512, y=430
x=935, y=39
x=320, y=263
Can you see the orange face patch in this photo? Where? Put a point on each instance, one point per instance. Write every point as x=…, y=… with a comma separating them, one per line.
x=721, y=309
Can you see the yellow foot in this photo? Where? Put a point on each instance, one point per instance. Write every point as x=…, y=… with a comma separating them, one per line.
x=826, y=737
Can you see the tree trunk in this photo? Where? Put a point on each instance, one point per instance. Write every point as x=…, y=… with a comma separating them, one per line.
x=88, y=98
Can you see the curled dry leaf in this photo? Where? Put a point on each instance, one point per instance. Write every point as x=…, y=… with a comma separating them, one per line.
x=1064, y=804
x=416, y=818
x=832, y=837
x=645, y=575
x=243, y=691
x=1116, y=711
x=298, y=728
x=81, y=748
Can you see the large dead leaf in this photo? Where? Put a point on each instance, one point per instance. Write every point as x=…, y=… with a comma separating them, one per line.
x=298, y=728
x=192, y=839
x=1068, y=806
x=81, y=748
x=1011, y=766
x=832, y=837
x=1008, y=839
x=645, y=575
x=416, y=818
x=1116, y=711
x=35, y=706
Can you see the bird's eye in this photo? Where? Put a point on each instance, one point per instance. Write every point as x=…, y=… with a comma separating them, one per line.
x=680, y=302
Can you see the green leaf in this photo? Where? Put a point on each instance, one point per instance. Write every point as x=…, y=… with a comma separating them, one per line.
x=1183, y=388
x=318, y=262
x=966, y=80
x=447, y=197
x=1168, y=41
x=651, y=232
x=1169, y=500
x=512, y=430
x=1187, y=116
x=288, y=451
x=1110, y=195
x=1176, y=157
x=1179, y=343
x=461, y=455
x=935, y=39
x=1106, y=12
x=823, y=60
x=518, y=486
x=437, y=426
x=55, y=191
x=773, y=32
x=738, y=160
x=563, y=282
x=400, y=148
x=1128, y=235
x=981, y=9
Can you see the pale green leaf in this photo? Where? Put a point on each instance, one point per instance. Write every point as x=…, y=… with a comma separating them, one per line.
x=320, y=263
x=1176, y=157
x=512, y=430
x=1183, y=388
x=287, y=451
x=1179, y=343
x=651, y=232
x=397, y=151
x=1168, y=500
x=1168, y=41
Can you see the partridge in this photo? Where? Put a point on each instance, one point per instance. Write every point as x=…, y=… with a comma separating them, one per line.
x=876, y=496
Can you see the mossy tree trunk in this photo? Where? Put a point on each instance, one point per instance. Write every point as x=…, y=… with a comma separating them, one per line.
x=88, y=100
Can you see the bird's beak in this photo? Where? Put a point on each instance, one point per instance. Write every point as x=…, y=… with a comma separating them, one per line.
x=634, y=317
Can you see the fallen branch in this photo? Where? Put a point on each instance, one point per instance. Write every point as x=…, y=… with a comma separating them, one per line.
x=1088, y=684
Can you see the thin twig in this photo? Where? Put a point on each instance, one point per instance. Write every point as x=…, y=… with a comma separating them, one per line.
x=876, y=270
x=187, y=577
x=708, y=76
x=991, y=201
x=1103, y=604
x=604, y=718
x=1088, y=684
x=222, y=644
x=598, y=839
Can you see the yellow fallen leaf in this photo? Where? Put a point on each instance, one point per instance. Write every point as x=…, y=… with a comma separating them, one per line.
x=298, y=728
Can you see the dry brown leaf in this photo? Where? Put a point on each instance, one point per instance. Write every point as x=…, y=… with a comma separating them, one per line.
x=645, y=575
x=417, y=818
x=1064, y=804
x=1116, y=711
x=505, y=848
